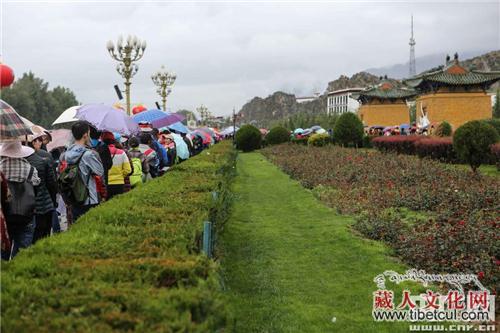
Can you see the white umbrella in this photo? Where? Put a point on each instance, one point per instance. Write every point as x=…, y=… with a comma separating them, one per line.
x=68, y=116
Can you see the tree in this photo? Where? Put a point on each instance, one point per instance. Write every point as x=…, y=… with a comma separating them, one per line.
x=348, y=130
x=472, y=142
x=443, y=129
x=248, y=138
x=277, y=135
x=31, y=98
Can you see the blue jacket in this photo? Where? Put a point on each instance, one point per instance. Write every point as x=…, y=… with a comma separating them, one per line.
x=90, y=165
x=161, y=152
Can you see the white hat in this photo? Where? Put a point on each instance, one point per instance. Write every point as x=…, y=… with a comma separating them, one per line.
x=38, y=132
x=14, y=149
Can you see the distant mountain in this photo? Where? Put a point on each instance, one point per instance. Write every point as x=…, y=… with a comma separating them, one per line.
x=489, y=60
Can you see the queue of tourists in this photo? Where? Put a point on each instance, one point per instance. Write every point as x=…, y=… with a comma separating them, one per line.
x=46, y=187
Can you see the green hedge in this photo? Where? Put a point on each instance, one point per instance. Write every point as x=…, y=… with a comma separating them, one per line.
x=132, y=263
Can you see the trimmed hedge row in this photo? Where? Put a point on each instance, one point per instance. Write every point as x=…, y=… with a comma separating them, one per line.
x=132, y=263
x=432, y=147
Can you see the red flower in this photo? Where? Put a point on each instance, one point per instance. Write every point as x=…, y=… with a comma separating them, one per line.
x=480, y=275
x=461, y=223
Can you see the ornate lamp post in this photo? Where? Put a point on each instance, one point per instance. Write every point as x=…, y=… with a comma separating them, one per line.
x=204, y=113
x=126, y=54
x=164, y=81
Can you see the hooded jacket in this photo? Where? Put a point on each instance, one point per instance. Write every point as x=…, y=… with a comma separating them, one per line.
x=90, y=165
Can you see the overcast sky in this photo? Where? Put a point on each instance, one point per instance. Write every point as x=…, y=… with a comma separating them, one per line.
x=224, y=54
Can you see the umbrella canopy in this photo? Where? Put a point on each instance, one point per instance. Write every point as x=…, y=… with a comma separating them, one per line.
x=181, y=147
x=316, y=127
x=158, y=118
x=207, y=139
x=68, y=116
x=179, y=127
x=60, y=138
x=377, y=127
x=298, y=130
x=404, y=126
x=11, y=124
x=320, y=131
x=107, y=118
x=229, y=130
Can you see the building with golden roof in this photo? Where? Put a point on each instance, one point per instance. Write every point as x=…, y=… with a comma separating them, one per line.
x=453, y=94
x=384, y=104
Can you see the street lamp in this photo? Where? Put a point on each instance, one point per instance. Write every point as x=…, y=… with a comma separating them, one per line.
x=126, y=54
x=164, y=81
x=204, y=113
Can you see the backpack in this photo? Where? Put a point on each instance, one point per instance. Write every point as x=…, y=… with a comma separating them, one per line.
x=71, y=186
x=136, y=176
x=22, y=202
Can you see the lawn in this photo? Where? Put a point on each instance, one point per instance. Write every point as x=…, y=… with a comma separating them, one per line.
x=291, y=264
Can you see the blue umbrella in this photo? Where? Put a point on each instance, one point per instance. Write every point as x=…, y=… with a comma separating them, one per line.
x=158, y=118
x=315, y=128
x=404, y=126
x=179, y=127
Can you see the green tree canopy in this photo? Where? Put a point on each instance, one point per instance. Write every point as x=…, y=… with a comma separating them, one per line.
x=31, y=97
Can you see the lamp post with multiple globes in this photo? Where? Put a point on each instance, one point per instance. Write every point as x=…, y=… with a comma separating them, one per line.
x=164, y=81
x=127, y=54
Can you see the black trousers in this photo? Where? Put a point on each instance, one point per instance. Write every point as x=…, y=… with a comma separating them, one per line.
x=115, y=190
x=43, y=225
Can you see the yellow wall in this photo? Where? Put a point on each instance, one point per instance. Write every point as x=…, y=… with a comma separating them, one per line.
x=455, y=108
x=384, y=114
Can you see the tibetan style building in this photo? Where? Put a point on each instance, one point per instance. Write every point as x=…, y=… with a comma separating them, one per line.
x=453, y=94
x=384, y=104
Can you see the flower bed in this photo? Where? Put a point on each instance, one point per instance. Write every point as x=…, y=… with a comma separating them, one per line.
x=370, y=183
x=132, y=263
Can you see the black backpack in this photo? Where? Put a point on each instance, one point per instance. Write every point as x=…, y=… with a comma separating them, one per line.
x=71, y=185
x=23, y=199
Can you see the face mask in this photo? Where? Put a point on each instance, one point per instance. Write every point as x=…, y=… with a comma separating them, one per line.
x=94, y=143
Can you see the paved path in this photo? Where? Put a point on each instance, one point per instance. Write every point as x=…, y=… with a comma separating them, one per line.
x=290, y=264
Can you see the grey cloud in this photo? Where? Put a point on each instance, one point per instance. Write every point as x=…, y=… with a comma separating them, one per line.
x=224, y=54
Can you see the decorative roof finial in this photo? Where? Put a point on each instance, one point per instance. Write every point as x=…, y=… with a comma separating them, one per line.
x=385, y=77
x=447, y=59
x=456, y=57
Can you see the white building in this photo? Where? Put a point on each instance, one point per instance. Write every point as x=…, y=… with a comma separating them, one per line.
x=339, y=101
x=307, y=98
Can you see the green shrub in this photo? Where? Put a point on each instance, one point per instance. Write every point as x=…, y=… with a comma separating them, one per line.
x=248, y=138
x=472, y=142
x=348, y=130
x=367, y=141
x=319, y=140
x=131, y=264
x=495, y=122
x=444, y=129
x=277, y=135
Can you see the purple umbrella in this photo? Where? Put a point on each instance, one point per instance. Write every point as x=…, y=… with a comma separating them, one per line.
x=107, y=118
x=158, y=118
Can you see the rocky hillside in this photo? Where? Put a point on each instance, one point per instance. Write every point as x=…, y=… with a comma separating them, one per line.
x=358, y=80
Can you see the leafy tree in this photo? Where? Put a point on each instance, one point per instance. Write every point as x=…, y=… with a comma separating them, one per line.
x=348, y=130
x=30, y=97
x=277, y=135
x=472, y=142
x=248, y=138
x=444, y=129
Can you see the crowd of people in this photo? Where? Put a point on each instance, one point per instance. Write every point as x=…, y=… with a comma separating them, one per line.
x=44, y=192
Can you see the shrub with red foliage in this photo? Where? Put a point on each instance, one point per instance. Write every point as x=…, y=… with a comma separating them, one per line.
x=436, y=148
x=401, y=144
